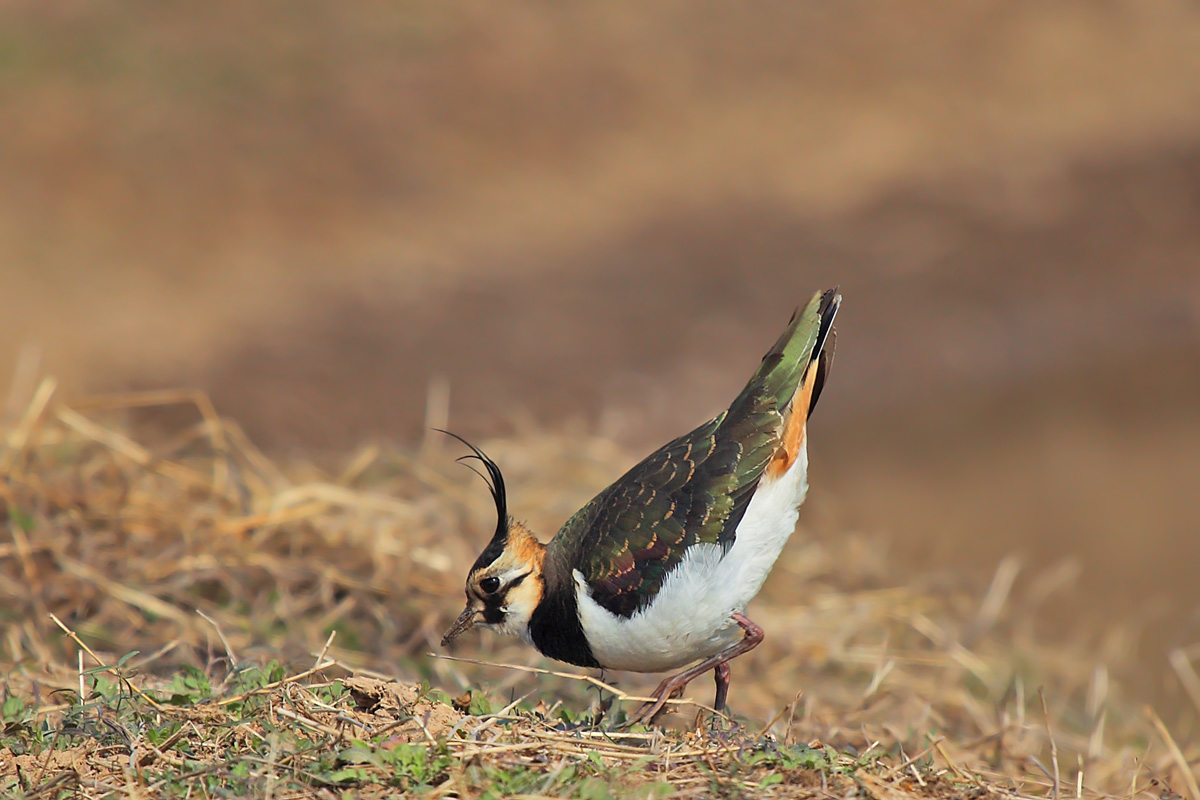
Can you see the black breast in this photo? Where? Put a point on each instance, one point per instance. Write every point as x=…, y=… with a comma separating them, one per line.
x=555, y=628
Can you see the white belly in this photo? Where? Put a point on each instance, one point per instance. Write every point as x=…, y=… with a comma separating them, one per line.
x=689, y=619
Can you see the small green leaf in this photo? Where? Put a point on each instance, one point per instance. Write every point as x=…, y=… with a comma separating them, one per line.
x=348, y=775
x=480, y=705
x=359, y=753
x=594, y=789
x=157, y=736
x=24, y=521
x=805, y=757
x=13, y=709
x=190, y=687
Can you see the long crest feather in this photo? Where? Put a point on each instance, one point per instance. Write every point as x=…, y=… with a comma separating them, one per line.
x=495, y=483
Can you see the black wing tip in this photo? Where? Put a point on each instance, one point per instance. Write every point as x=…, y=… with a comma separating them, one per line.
x=831, y=301
x=827, y=307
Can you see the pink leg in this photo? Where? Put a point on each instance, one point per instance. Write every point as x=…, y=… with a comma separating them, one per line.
x=718, y=663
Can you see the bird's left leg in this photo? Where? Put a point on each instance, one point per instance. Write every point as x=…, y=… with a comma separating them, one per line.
x=676, y=683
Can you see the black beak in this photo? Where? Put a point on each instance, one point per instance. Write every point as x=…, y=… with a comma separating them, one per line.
x=465, y=621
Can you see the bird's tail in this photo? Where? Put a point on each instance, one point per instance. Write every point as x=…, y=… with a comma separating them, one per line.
x=767, y=420
x=794, y=371
x=807, y=342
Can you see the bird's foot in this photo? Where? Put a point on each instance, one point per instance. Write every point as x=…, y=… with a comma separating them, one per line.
x=667, y=690
x=720, y=726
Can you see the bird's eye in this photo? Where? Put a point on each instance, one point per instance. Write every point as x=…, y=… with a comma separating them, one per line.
x=490, y=585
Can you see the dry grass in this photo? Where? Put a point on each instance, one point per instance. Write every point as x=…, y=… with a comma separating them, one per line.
x=195, y=620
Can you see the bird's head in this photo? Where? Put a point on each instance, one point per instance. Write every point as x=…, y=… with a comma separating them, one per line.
x=505, y=584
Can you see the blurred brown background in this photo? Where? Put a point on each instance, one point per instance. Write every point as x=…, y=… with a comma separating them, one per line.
x=601, y=216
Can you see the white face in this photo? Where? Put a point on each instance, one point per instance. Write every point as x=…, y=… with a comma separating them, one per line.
x=503, y=595
x=515, y=593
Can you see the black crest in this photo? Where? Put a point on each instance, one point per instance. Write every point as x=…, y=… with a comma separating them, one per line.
x=495, y=481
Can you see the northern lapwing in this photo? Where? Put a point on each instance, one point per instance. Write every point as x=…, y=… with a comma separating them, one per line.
x=657, y=570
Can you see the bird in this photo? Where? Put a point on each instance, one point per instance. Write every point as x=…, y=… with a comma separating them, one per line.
x=655, y=572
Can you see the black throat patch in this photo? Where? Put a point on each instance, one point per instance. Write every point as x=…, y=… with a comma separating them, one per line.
x=556, y=630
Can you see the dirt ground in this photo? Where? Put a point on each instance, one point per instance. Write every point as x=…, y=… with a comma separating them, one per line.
x=601, y=217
